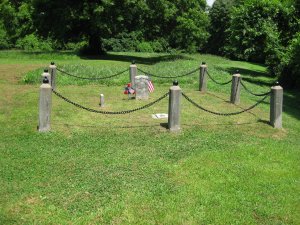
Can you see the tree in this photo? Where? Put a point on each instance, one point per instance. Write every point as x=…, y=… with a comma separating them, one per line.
x=67, y=20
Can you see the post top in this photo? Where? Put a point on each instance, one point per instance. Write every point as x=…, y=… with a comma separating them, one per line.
x=46, y=70
x=277, y=87
x=237, y=75
x=133, y=62
x=45, y=80
x=52, y=63
x=175, y=88
x=175, y=83
x=203, y=63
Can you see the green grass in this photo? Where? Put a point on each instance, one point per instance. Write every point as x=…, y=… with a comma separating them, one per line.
x=128, y=169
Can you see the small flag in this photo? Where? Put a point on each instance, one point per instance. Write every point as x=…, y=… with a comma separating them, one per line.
x=150, y=86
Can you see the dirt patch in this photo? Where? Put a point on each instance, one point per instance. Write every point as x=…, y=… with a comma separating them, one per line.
x=13, y=73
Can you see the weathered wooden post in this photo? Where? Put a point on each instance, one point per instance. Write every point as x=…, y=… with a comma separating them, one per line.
x=203, y=78
x=52, y=71
x=276, y=102
x=45, y=102
x=46, y=74
x=141, y=87
x=235, y=88
x=174, y=108
x=101, y=100
x=133, y=73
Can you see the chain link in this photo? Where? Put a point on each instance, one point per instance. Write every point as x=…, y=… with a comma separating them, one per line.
x=217, y=81
x=223, y=114
x=107, y=112
x=92, y=78
x=250, y=92
x=163, y=77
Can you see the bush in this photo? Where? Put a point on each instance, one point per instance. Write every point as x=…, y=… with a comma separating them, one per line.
x=32, y=43
x=123, y=42
x=145, y=47
x=290, y=75
x=4, y=40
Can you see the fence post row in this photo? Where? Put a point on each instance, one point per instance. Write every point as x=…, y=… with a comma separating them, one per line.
x=235, y=89
x=52, y=71
x=132, y=73
x=45, y=102
x=174, y=108
x=203, y=78
x=276, y=102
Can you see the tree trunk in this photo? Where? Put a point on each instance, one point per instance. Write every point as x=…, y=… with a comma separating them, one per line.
x=95, y=45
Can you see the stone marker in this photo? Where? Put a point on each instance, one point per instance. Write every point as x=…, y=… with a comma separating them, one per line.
x=235, y=89
x=174, y=108
x=141, y=87
x=45, y=102
x=101, y=100
x=52, y=71
x=46, y=74
x=203, y=78
x=276, y=102
x=132, y=73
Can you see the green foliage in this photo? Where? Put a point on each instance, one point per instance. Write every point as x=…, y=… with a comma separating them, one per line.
x=123, y=42
x=4, y=39
x=32, y=43
x=290, y=73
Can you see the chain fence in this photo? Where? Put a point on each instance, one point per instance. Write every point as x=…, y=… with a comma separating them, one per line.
x=92, y=78
x=107, y=112
x=164, y=77
x=223, y=114
x=250, y=92
x=217, y=82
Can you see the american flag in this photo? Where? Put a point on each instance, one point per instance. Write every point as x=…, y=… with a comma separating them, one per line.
x=150, y=86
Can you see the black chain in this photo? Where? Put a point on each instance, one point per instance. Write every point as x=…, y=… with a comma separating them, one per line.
x=217, y=81
x=153, y=75
x=250, y=92
x=224, y=114
x=107, y=112
x=92, y=78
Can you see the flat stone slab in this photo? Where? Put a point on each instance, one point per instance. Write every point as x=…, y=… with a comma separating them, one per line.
x=160, y=116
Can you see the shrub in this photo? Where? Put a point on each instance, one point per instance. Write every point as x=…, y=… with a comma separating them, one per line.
x=145, y=47
x=32, y=43
x=4, y=40
x=290, y=75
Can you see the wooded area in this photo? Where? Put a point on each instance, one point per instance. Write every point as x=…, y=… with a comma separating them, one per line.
x=262, y=31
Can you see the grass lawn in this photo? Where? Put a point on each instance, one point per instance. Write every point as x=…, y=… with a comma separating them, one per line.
x=128, y=169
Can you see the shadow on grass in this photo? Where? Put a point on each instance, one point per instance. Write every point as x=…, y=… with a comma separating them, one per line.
x=243, y=71
x=138, y=59
x=291, y=103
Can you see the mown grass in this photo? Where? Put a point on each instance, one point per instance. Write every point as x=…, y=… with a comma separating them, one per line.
x=128, y=169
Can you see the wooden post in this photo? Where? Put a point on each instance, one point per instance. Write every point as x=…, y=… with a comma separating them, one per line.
x=45, y=102
x=235, y=89
x=276, y=102
x=101, y=100
x=203, y=78
x=133, y=73
x=52, y=71
x=174, y=108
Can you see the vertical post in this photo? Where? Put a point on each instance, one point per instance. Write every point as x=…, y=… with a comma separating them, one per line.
x=174, y=108
x=45, y=102
x=52, y=71
x=101, y=100
x=235, y=89
x=276, y=102
x=132, y=73
x=46, y=74
x=203, y=78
